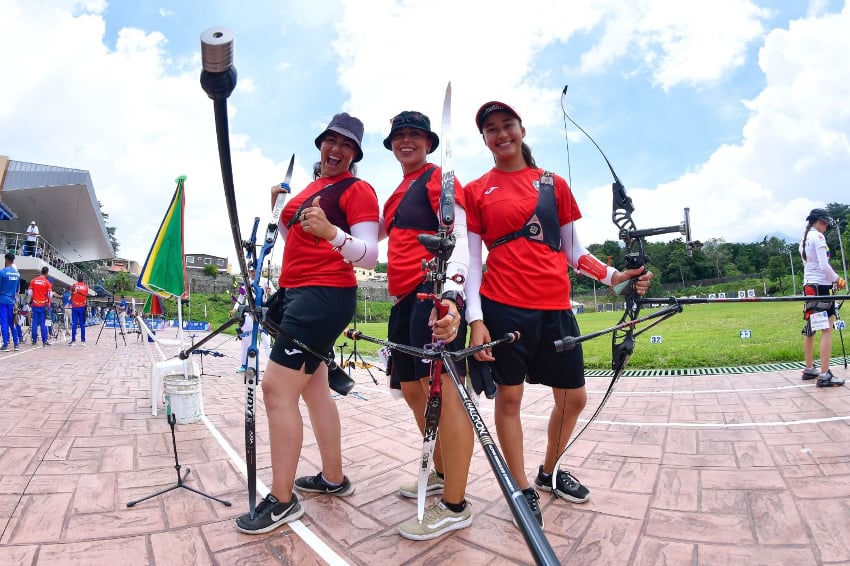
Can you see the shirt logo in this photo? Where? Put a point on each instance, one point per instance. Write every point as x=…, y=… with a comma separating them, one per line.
x=490, y=190
x=292, y=352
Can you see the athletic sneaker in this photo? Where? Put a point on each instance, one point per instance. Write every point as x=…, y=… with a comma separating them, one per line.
x=567, y=486
x=17, y=348
x=269, y=515
x=437, y=521
x=71, y=343
x=433, y=487
x=533, y=500
x=82, y=343
x=242, y=369
x=45, y=343
x=829, y=380
x=318, y=484
x=4, y=348
x=810, y=373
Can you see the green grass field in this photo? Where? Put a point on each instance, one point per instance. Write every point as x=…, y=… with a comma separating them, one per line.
x=700, y=336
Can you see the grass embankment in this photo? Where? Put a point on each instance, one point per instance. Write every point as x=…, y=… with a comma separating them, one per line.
x=700, y=336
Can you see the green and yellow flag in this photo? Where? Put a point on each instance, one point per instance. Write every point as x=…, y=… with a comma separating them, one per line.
x=164, y=272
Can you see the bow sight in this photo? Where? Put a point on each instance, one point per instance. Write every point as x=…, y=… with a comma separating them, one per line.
x=631, y=236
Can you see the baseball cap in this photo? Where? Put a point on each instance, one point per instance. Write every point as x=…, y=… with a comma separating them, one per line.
x=493, y=106
x=820, y=214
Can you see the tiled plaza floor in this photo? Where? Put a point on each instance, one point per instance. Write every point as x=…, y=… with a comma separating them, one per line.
x=693, y=470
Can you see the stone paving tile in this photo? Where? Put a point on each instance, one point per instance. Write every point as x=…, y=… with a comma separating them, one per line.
x=84, y=443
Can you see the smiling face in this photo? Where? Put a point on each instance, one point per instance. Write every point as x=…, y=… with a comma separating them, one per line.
x=503, y=135
x=338, y=152
x=410, y=146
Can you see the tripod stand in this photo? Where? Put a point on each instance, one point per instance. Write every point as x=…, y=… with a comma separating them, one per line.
x=203, y=353
x=114, y=310
x=353, y=357
x=171, y=421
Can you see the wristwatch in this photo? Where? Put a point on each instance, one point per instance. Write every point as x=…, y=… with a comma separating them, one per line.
x=456, y=297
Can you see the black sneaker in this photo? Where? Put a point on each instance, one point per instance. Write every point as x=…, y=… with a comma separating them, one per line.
x=269, y=515
x=317, y=484
x=810, y=373
x=829, y=380
x=567, y=486
x=533, y=501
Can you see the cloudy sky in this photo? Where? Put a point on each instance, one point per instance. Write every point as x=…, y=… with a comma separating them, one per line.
x=737, y=109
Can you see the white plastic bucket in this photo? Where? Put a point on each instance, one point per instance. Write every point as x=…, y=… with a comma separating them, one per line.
x=184, y=397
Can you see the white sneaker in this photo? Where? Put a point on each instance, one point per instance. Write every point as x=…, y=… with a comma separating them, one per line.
x=437, y=521
x=433, y=487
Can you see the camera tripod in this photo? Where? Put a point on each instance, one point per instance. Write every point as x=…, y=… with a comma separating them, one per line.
x=114, y=310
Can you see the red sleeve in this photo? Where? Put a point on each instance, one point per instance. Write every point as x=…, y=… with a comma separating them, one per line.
x=360, y=203
x=435, y=191
x=568, y=210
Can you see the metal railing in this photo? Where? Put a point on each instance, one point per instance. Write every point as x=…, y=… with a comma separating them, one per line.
x=20, y=245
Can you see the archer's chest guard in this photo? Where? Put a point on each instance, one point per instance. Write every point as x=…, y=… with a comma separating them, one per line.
x=415, y=211
x=542, y=227
x=330, y=204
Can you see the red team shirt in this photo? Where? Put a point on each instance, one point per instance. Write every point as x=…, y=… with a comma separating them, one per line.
x=312, y=261
x=79, y=294
x=519, y=273
x=41, y=288
x=405, y=253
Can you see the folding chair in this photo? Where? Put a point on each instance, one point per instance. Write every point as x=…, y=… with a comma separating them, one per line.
x=163, y=365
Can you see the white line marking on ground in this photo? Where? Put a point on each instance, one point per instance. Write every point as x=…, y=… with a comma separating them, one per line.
x=534, y=416
x=700, y=391
x=318, y=545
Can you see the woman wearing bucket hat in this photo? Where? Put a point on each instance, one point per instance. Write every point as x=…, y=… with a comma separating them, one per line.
x=818, y=279
x=526, y=218
x=329, y=228
x=412, y=210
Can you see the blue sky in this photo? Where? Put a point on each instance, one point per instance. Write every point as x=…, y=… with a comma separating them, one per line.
x=734, y=108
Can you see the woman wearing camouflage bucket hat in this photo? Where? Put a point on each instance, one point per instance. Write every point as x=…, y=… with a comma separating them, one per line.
x=410, y=211
x=330, y=227
x=818, y=279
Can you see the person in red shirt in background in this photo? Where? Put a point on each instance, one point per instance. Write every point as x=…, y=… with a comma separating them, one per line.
x=526, y=218
x=79, y=295
x=330, y=227
x=412, y=210
x=40, y=292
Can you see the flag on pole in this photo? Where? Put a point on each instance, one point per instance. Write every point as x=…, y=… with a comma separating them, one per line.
x=164, y=272
x=153, y=305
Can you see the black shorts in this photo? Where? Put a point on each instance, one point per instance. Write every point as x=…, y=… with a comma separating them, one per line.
x=812, y=307
x=533, y=358
x=409, y=326
x=315, y=316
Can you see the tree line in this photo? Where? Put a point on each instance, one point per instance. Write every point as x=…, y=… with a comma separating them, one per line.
x=772, y=257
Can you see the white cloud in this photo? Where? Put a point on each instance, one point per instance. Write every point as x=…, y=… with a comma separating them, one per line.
x=136, y=117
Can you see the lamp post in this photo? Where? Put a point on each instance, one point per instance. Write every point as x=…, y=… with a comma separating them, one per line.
x=791, y=260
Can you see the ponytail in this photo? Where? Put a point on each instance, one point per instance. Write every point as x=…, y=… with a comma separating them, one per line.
x=526, y=155
x=806, y=235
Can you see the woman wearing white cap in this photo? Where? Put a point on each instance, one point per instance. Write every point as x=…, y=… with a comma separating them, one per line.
x=330, y=227
x=818, y=279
